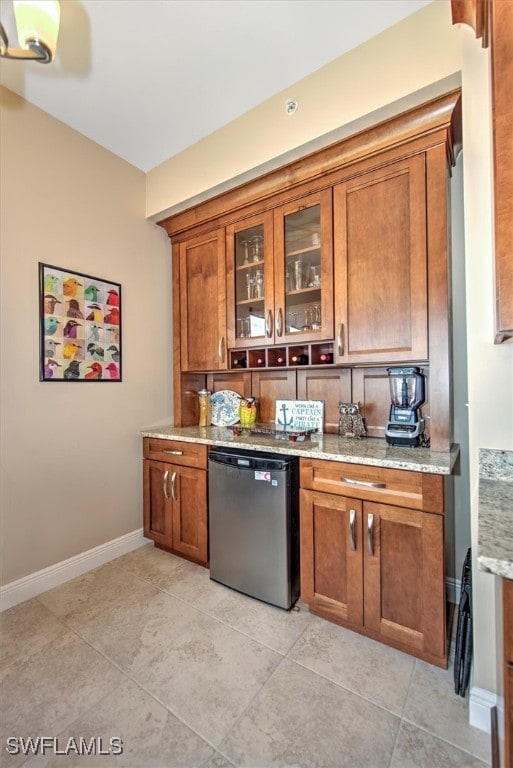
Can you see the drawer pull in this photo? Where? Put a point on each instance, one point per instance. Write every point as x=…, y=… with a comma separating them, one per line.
x=370, y=526
x=174, y=453
x=220, y=351
x=173, y=481
x=269, y=324
x=279, y=323
x=340, y=339
x=366, y=483
x=164, y=484
x=352, y=517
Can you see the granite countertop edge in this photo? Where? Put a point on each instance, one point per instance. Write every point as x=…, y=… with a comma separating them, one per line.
x=330, y=447
x=495, y=518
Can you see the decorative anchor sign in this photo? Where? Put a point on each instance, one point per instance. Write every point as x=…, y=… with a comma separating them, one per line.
x=284, y=422
x=300, y=414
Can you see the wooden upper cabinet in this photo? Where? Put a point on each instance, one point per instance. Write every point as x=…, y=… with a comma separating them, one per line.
x=203, y=303
x=280, y=274
x=502, y=104
x=492, y=21
x=250, y=282
x=303, y=258
x=381, y=265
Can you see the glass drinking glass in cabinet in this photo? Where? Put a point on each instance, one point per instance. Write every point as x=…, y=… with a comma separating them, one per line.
x=243, y=327
x=256, y=247
x=259, y=284
x=245, y=251
x=314, y=277
x=298, y=274
x=250, y=285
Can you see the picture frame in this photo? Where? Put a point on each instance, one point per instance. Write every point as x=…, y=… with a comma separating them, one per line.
x=79, y=327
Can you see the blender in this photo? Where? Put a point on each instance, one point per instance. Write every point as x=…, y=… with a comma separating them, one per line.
x=405, y=425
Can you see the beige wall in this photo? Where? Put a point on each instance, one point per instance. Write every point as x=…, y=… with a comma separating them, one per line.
x=70, y=454
x=374, y=80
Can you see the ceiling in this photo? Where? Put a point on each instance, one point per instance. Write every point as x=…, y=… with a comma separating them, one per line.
x=147, y=78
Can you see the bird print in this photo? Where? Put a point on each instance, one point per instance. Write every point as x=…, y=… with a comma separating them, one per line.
x=51, y=347
x=112, y=316
x=70, y=286
x=94, y=332
x=114, y=334
x=97, y=353
x=51, y=325
x=70, y=329
x=74, y=309
x=70, y=350
x=114, y=353
x=51, y=284
x=113, y=370
x=96, y=371
x=113, y=298
x=92, y=293
x=96, y=314
x=50, y=368
x=50, y=302
x=73, y=370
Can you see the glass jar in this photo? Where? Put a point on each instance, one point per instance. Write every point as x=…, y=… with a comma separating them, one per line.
x=204, y=408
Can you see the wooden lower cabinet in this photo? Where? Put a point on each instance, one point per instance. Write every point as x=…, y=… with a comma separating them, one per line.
x=175, y=502
x=376, y=568
x=331, y=568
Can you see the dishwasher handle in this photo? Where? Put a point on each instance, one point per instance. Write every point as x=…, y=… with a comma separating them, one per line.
x=248, y=462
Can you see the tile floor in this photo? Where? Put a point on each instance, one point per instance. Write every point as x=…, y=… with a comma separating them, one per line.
x=188, y=673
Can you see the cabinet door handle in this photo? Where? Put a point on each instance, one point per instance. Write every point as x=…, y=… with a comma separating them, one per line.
x=352, y=539
x=366, y=483
x=370, y=526
x=269, y=324
x=164, y=484
x=220, y=351
x=174, y=453
x=279, y=323
x=173, y=481
x=340, y=339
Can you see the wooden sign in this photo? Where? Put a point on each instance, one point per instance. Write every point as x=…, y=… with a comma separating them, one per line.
x=300, y=414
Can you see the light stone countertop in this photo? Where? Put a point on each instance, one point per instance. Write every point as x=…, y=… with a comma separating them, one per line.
x=495, y=518
x=369, y=451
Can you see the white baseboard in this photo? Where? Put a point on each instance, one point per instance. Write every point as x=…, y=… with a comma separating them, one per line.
x=481, y=703
x=36, y=583
x=453, y=590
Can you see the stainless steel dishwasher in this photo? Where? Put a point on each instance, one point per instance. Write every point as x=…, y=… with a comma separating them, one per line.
x=254, y=523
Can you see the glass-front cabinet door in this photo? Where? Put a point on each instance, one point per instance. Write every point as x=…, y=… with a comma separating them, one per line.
x=250, y=278
x=303, y=285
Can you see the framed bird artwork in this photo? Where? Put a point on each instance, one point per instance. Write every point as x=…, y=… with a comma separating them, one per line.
x=79, y=326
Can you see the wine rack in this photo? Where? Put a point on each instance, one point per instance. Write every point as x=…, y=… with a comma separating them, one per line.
x=288, y=356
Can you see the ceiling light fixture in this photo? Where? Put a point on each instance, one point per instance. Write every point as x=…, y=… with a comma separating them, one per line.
x=37, y=23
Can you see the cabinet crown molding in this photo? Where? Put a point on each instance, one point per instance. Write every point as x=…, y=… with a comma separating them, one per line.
x=475, y=13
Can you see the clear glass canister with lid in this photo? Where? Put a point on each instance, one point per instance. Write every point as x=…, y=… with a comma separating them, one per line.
x=204, y=407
